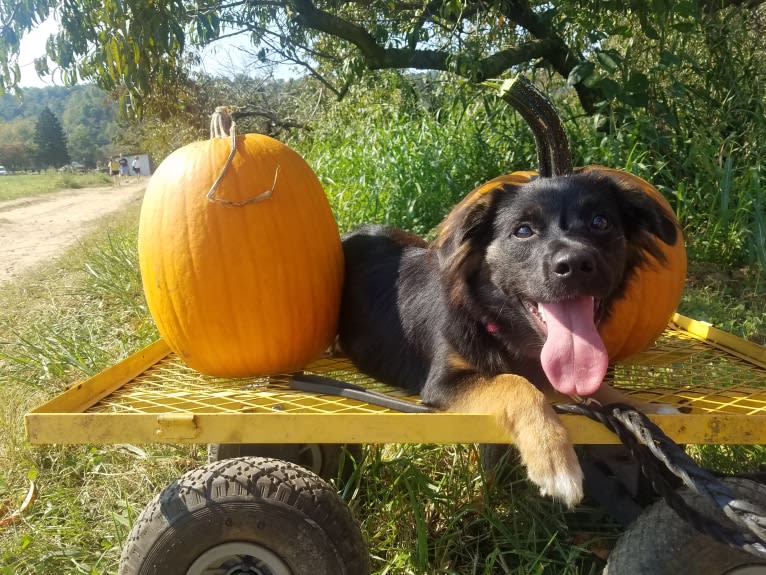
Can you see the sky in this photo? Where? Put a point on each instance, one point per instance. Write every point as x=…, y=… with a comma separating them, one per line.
x=221, y=58
x=33, y=46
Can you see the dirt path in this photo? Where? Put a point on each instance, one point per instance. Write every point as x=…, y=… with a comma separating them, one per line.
x=37, y=229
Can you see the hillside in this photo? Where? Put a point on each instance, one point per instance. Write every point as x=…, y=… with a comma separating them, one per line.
x=87, y=115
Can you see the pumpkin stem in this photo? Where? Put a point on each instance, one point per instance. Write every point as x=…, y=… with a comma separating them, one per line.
x=554, y=158
x=222, y=125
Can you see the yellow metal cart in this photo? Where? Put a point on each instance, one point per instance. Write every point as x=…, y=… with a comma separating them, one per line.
x=717, y=381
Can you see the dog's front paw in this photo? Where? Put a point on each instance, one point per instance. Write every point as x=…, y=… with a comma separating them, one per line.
x=556, y=471
x=548, y=454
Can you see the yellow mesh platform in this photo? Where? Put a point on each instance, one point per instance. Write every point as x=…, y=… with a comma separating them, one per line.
x=171, y=386
x=717, y=380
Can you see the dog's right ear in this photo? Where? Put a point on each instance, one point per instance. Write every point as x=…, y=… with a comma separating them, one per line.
x=472, y=219
x=465, y=234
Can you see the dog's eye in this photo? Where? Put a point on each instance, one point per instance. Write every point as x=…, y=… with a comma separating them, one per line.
x=523, y=232
x=599, y=223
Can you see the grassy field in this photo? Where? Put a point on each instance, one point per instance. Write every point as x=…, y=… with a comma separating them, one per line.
x=424, y=509
x=23, y=185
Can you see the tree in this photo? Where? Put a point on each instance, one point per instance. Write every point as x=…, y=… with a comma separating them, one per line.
x=50, y=141
x=133, y=46
x=17, y=151
x=89, y=121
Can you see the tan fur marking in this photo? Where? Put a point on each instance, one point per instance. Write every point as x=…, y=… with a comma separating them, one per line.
x=458, y=363
x=538, y=433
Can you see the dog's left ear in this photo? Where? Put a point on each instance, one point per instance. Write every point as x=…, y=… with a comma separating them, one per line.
x=645, y=220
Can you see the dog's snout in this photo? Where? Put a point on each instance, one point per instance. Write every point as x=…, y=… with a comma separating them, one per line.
x=574, y=264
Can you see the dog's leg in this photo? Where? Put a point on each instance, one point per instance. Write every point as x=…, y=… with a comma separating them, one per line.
x=538, y=433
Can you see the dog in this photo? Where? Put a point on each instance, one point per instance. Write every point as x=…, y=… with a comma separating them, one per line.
x=501, y=310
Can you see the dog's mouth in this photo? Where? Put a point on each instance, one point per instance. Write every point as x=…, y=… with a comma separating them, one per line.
x=536, y=311
x=573, y=357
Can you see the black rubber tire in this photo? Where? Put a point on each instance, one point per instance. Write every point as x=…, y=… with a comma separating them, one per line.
x=661, y=543
x=329, y=461
x=268, y=504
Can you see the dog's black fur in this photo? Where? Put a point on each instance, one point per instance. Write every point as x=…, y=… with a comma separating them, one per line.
x=451, y=319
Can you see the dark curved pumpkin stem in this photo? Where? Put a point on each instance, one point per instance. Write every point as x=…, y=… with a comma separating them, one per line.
x=554, y=157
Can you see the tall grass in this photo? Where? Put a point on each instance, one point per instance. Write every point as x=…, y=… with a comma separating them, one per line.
x=63, y=323
x=434, y=509
x=391, y=158
x=25, y=185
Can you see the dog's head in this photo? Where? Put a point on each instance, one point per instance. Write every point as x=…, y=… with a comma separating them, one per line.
x=541, y=263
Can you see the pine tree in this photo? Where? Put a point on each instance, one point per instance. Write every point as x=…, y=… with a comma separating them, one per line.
x=50, y=141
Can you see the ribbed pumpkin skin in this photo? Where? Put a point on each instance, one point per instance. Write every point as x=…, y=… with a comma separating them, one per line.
x=653, y=294
x=248, y=290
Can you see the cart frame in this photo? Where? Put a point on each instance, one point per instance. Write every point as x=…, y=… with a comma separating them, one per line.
x=718, y=380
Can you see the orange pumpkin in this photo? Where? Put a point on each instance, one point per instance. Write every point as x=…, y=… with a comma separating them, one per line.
x=639, y=318
x=240, y=287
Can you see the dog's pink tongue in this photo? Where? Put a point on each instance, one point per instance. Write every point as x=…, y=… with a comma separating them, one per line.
x=574, y=356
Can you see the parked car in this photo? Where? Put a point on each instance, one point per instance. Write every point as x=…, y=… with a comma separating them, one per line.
x=3, y=171
x=72, y=167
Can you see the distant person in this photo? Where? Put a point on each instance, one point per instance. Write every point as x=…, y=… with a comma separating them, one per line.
x=137, y=168
x=114, y=170
x=123, y=167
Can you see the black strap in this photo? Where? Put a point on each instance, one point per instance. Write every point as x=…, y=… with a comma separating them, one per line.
x=329, y=386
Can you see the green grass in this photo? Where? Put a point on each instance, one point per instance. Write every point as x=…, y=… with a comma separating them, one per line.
x=732, y=299
x=16, y=186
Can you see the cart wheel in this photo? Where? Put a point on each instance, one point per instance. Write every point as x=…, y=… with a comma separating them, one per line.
x=661, y=543
x=327, y=460
x=246, y=515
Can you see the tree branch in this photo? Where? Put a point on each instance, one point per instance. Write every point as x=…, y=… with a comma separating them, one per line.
x=275, y=124
x=546, y=44
x=561, y=57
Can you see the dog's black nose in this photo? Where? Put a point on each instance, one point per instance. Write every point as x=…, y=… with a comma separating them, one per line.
x=574, y=264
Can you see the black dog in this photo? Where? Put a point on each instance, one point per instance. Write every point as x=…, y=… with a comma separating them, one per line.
x=503, y=304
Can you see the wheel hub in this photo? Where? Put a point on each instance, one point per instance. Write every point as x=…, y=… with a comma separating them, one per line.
x=748, y=570
x=238, y=558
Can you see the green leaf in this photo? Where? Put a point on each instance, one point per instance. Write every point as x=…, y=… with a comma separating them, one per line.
x=668, y=58
x=609, y=60
x=609, y=88
x=580, y=73
x=648, y=30
x=635, y=90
